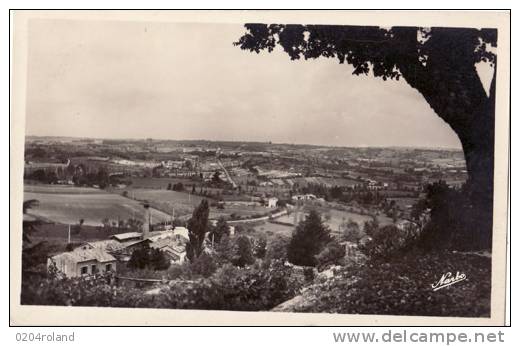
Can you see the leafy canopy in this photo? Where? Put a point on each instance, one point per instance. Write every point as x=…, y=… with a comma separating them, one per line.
x=308, y=239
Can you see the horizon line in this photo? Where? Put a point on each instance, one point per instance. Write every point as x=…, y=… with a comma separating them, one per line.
x=251, y=141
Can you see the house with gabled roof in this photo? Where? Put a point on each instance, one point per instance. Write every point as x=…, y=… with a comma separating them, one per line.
x=82, y=261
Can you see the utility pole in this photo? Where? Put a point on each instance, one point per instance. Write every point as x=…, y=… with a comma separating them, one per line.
x=68, y=242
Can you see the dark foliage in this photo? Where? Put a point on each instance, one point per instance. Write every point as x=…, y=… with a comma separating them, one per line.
x=204, y=265
x=390, y=241
x=308, y=240
x=243, y=252
x=452, y=218
x=198, y=227
x=230, y=288
x=221, y=229
x=260, y=247
x=29, y=227
x=43, y=176
x=351, y=231
x=34, y=255
x=371, y=227
x=277, y=248
x=148, y=258
x=176, y=186
x=332, y=253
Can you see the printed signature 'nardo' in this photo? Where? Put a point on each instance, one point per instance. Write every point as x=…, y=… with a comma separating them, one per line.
x=448, y=279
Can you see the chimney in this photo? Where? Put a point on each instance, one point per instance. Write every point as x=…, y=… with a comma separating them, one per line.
x=146, y=223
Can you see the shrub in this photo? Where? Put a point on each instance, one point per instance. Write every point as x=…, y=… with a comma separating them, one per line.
x=243, y=252
x=332, y=253
x=277, y=248
x=204, y=265
x=308, y=273
x=221, y=229
x=351, y=231
x=389, y=241
x=370, y=227
x=260, y=247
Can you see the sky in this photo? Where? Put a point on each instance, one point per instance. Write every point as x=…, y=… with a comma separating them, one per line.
x=116, y=79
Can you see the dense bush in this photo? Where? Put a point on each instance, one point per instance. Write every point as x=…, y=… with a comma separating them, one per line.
x=149, y=258
x=204, y=265
x=351, y=231
x=230, y=288
x=332, y=253
x=277, y=248
x=220, y=230
x=43, y=176
x=260, y=247
x=390, y=241
x=455, y=220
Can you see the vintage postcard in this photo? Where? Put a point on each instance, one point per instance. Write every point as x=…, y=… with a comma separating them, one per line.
x=259, y=167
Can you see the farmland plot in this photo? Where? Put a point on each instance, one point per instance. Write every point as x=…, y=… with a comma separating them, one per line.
x=68, y=205
x=167, y=200
x=333, y=218
x=158, y=183
x=184, y=203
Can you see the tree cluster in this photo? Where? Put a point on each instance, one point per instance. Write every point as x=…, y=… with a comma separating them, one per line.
x=175, y=187
x=146, y=257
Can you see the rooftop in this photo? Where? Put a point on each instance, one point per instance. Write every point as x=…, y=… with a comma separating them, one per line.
x=126, y=236
x=83, y=255
x=109, y=245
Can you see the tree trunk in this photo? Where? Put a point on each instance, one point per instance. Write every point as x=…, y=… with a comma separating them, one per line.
x=461, y=101
x=480, y=161
x=479, y=155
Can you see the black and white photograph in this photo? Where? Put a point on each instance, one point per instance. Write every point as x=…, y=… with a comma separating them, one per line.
x=304, y=167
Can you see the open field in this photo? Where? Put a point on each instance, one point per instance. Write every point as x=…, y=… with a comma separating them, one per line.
x=184, y=203
x=384, y=220
x=404, y=202
x=58, y=233
x=158, y=183
x=61, y=189
x=329, y=182
x=67, y=205
x=398, y=193
x=242, y=211
x=337, y=217
x=167, y=200
x=270, y=229
x=333, y=218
